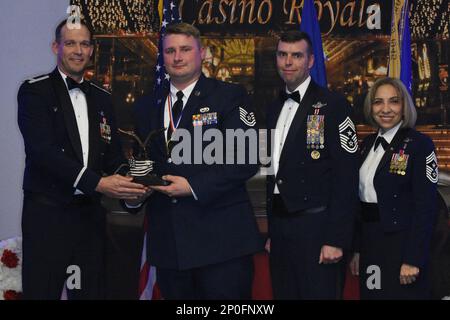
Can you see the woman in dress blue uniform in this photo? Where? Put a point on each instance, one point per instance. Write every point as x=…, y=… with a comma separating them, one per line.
x=398, y=190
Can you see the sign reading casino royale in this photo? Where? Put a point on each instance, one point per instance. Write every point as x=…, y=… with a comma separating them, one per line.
x=336, y=17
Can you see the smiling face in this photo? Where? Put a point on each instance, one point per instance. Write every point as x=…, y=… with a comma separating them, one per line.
x=73, y=51
x=183, y=56
x=387, y=107
x=294, y=62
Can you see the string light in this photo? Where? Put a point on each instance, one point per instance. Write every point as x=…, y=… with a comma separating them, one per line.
x=129, y=16
x=430, y=19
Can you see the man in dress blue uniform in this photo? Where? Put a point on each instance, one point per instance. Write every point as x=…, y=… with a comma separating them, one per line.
x=313, y=192
x=202, y=231
x=70, y=141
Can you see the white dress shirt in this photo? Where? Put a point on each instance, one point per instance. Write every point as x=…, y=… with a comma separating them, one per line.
x=173, y=97
x=367, y=191
x=80, y=109
x=284, y=122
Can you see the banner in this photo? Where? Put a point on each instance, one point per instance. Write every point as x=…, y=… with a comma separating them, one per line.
x=337, y=17
x=394, y=45
x=400, y=44
x=310, y=25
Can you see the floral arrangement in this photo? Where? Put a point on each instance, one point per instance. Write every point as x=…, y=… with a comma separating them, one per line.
x=11, y=269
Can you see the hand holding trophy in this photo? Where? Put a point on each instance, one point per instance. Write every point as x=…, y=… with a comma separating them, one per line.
x=140, y=166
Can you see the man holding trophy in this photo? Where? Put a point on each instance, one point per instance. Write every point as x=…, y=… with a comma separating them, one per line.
x=201, y=227
x=72, y=151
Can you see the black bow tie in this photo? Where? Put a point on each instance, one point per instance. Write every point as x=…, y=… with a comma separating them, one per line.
x=72, y=84
x=294, y=96
x=382, y=141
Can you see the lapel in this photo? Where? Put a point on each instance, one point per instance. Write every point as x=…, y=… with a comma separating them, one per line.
x=298, y=122
x=367, y=146
x=272, y=117
x=94, y=128
x=62, y=95
x=274, y=113
x=398, y=139
x=160, y=103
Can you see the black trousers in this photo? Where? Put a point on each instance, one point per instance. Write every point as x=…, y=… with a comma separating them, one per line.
x=57, y=236
x=229, y=280
x=296, y=241
x=384, y=251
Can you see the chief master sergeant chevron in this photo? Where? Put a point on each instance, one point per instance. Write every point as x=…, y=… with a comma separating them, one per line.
x=70, y=141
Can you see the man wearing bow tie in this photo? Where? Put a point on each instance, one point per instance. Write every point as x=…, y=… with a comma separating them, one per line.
x=70, y=142
x=202, y=231
x=312, y=193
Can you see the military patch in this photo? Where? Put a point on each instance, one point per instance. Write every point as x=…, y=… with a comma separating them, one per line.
x=347, y=134
x=432, y=170
x=248, y=118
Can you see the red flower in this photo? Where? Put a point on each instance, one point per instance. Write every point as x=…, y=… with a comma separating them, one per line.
x=12, y=295
x=9, y=259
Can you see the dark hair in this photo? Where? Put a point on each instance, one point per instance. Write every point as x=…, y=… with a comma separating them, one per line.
x=63, y=23
x=292, y=36
x=183, y=28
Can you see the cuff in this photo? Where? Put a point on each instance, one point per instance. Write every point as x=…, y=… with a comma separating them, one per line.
x=88, y=182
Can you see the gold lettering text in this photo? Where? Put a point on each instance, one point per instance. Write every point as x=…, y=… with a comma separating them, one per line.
x=349, y=21
x=268, y=3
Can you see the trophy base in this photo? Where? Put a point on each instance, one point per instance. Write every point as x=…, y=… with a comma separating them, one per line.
x=151, y=180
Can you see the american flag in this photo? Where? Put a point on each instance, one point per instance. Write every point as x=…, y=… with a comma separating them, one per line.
x=147, y=276
x=148, y=289
x=170, y=14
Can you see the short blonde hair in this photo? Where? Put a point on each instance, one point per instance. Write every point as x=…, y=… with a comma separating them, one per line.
x=409, y=110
